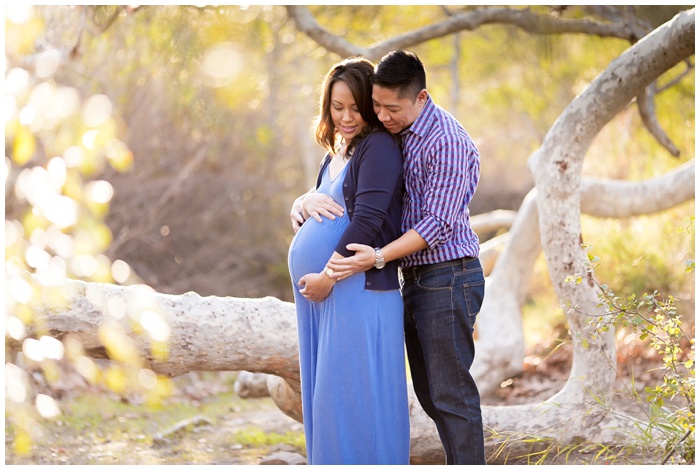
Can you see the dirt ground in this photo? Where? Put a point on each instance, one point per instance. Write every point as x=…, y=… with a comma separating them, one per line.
x=204, y=422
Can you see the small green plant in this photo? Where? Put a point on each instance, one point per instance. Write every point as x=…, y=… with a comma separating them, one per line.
x=657, y=321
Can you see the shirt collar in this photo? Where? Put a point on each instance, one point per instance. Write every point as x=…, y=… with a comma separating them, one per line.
x=420, y=125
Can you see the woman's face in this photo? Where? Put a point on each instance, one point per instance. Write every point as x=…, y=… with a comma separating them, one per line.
x=344, y=112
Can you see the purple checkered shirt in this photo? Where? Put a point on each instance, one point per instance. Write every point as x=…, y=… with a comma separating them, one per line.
x=441, y=171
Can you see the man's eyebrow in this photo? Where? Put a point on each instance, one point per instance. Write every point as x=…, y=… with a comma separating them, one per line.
x=395, y=106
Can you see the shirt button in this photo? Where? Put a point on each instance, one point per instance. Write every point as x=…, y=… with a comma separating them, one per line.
x=369, y=284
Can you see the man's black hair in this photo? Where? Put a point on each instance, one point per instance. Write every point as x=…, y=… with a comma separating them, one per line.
x=403, y=71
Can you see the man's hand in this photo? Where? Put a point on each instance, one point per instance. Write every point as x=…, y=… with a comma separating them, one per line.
x=361, y=261
x=319, y=204
x=316, y=286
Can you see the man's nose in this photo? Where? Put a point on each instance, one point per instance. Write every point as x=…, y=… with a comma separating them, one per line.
x=382, y=115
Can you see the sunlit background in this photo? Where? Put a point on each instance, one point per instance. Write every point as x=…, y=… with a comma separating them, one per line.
x=161, y=148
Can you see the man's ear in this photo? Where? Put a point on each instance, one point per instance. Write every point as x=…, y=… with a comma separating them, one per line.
x=422, y=96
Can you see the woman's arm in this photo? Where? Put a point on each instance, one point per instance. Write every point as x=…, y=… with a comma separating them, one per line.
x=379, y=173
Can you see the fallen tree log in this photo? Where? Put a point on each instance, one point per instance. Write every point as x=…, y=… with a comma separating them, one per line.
x=259, y=335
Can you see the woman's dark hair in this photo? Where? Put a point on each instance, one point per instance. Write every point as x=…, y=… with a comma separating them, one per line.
x=357, y=73
x=402, y=71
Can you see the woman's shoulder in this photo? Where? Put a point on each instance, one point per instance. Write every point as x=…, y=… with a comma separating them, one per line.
x=381, y=138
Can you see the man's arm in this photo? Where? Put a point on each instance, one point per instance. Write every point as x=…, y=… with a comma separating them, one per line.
x=364, y=257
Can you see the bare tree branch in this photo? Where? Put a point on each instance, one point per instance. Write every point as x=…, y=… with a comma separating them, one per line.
x=521, y=18
x=688, y=68
x=647, y=111
x=307, y=24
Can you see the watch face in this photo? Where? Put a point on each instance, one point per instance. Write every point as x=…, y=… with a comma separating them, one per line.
x=380, y=264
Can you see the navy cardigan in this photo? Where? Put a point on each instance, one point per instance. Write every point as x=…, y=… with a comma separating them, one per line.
x=373, y=189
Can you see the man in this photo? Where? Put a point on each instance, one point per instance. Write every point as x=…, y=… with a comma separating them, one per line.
x=443, y=279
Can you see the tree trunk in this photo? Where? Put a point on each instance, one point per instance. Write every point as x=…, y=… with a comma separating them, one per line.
x=499, y=321
x=556, y=167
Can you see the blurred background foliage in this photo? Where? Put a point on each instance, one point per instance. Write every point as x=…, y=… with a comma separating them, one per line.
x=164, y=145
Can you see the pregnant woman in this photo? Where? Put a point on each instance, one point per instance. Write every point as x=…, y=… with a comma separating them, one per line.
x=351, y=348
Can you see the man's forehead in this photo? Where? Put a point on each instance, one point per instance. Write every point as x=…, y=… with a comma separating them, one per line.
x=380, y=93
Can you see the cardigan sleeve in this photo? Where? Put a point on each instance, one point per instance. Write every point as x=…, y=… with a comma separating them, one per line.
x=379, y=171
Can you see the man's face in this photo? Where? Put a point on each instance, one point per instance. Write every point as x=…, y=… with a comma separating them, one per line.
x=394, y=112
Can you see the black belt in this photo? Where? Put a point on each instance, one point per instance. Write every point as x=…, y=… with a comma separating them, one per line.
x=414, y=271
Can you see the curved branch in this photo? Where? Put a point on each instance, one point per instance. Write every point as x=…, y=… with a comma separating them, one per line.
x=500, y=320
x=689, y=67
x=521, y=18
x=556, y=167
x=307, y=24
x=647, y=111
x=613, y=198
x=492, y=221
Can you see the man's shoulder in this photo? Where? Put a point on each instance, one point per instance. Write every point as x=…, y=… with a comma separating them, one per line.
x=446, y=121
x=446, y=128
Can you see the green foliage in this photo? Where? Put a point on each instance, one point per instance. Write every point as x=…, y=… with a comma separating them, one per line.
x=657, y=321
x=644, y=254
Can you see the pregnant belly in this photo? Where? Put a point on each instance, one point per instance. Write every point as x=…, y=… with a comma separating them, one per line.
x=313, y=246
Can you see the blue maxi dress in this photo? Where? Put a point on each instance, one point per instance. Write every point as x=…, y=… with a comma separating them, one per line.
x=351, y=353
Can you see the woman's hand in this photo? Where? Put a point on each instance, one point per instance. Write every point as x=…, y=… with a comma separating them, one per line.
x=316, y=286
x=319, y=204
x=297, y=213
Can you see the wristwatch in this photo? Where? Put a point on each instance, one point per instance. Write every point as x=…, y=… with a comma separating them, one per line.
x=379, y=262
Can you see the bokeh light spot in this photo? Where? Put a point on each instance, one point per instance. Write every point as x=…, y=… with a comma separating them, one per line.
x=97, y=110
x=99, y=191
x=47, y=63
x=221, y=65
x=47, y=406
x=120, y=271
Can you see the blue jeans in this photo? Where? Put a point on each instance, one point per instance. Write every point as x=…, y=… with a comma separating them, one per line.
x=441, y=302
